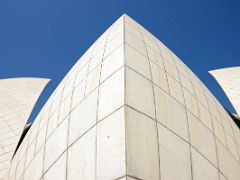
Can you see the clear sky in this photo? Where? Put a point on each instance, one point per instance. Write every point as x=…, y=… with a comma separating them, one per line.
x=45, y=38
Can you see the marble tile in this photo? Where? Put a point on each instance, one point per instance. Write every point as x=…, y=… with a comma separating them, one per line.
x=139, y=93
x=227, y=164
x=34, y=170
x=205, y=116
x=96, y=59
x=175, y=89
x=56, y=144
x=202, y=168
x=171, y=113
x=111, y=146
x=111, y=94
x=219, y=131
x=81, y=157
x=159, y=77
x=112, y=63
x=191, y=103
x=171, y=70
x=202, y=139
x=174, y=156
x=78, y=93
x=133, y=30
x=83, y=117
x=137, y=61
x=232, y=146
x=141, y=146
x=134, y=42
x=57, y=170
x=93, y=79
x=155, y=57
x=114, y=43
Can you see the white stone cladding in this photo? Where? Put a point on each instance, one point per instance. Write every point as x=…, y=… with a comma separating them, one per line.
x=229, y=80
x=130, y=109
x=17, y=99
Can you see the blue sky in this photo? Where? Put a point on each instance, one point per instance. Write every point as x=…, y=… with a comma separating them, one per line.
x=45, y=38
